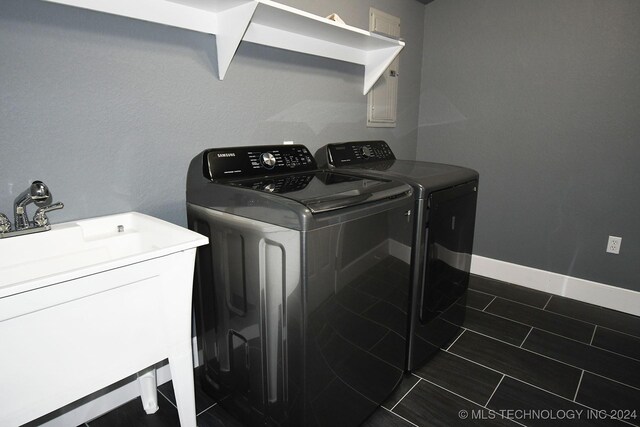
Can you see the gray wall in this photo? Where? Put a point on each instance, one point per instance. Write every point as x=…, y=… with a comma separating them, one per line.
x=543, y=99
x=109, y=111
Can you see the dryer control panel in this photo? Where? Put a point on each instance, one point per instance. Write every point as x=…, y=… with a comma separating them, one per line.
x=358, y=152
x=259, y=160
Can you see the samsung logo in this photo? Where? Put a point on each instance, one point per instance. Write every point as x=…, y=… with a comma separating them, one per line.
x=226, y=154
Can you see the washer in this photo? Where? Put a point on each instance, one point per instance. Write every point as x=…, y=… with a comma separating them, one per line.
x=444, y=221
x=302, y=297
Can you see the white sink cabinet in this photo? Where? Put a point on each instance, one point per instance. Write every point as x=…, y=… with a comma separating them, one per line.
x=90, y=303
x=263, y=22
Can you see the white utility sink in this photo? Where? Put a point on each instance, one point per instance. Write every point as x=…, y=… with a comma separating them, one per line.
x=89, y=303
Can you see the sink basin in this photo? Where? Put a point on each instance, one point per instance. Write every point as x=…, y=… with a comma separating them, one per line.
x=90, y=303
x=79, y=248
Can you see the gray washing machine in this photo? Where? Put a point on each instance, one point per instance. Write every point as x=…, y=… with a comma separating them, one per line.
x=444, y=221
x=302, y=296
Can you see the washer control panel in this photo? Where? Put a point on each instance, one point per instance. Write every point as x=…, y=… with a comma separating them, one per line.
x=259, y=160
x=358, y=152
x=278, y=184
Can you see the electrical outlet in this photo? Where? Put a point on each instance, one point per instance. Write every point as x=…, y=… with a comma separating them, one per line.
x=613, y=246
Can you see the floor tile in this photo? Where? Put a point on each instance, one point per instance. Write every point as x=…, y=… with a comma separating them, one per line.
x=217, y=417
x=384, y=418
x=389, y=316
x=603, y=394
x=203, y=401
x=355, y=300
x=617, y=342
x=460, y=376
x=584, y=356
x=534, y=407
x=387, y=350
x=439, y=333
x=431, y=406
x=541, y=319
x=532, y=368
x=368, y=375
x=132, y=414
x=407, y=384
x=508, y=291
x=484, y=364
x=611, y=319
x=340, y=404
x=355, y=328
x=494, y=326
x=478, y=300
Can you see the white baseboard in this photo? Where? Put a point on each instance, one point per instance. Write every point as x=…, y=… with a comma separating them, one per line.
x=608, y=296
x=399, y=250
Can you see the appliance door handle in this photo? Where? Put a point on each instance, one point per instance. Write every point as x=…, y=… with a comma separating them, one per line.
x=424, y=269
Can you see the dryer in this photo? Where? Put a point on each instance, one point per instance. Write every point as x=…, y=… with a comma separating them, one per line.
x=302, y=296
x=444, y=222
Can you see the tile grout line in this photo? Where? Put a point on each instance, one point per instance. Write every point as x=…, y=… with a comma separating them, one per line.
x=612, y=380
x=544, y=312
x=546, y=357
x=549, y=312
x=547, y=331
x=169, y=400
x=619, y=332
x=579, y=342
x=202, y=412
x=400, y=416
x=635, y=359
x=457, y=338
x=525, y=338
x=565, y=315
x=514, y=378
x=380, y=340
x=524, y=349
x=593, y=335
x=487, y=306
x=548, y=301
x=592, y=321
x=461, y=396
x=405, y=395
x=508, y=299
x=575, y=396
x=506, y=318
x=494, y=390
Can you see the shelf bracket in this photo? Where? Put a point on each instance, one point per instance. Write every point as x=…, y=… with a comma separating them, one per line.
x=232, y=24
x=376, y=63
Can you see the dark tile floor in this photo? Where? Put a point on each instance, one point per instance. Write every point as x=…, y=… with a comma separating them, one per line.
x=524, y=357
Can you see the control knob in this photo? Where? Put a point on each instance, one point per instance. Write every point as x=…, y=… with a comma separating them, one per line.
x=366, y=152
x=268, y=160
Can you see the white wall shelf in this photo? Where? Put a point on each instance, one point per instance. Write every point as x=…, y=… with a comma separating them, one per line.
x=263, y=22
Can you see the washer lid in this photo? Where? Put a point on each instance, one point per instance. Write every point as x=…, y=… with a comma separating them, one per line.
x=324, y=191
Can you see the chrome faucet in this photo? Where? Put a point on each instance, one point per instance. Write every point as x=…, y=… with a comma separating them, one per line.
x=40, y=218
x=37, y=193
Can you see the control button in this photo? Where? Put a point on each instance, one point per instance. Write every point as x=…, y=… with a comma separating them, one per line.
x=270, y=187
x=268, y=160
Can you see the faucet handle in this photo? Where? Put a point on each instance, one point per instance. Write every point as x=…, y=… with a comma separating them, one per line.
x=5, y=224
x=40, y=218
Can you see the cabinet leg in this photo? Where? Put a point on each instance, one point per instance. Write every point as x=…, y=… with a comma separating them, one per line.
x=148, y=390
x=181, y=367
